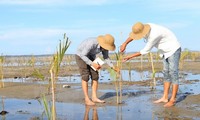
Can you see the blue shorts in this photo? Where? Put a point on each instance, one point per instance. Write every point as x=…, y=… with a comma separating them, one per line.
x=171, y=67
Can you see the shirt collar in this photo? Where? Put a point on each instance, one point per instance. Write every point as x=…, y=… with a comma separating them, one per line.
x=98, y=47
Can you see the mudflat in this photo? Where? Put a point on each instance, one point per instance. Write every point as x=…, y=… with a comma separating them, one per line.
x=188, y=106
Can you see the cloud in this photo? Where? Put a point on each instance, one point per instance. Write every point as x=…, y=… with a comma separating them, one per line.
x=167, y=4
x=171, y=5
x=29, y=2
x=47, y=2
x=40, y=36
x=37, y=41
x=27, y=34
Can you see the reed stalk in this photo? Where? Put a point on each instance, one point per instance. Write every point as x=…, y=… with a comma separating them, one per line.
x=46, y=108
x=119, y=65
x=118, y=80
x=153, y=71
x=113, y=76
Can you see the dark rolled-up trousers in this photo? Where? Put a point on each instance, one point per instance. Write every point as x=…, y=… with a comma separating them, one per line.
x=85, y=70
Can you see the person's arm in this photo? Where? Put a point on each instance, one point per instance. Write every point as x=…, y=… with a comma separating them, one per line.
x=83, y=56
x=108, y=61
x=123, y=46
x=131, y=56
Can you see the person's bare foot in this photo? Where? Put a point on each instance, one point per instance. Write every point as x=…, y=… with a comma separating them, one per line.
x=161, y=100
x=96, y=100
x=89, y=102
x=170, y=103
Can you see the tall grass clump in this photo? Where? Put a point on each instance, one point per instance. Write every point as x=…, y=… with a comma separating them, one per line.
x=50, y=109
x=195, y=55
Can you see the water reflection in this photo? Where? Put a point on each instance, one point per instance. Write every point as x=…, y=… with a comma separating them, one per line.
x=3, y=112
x=91, y=113
x=119, y=113
x=94, y=113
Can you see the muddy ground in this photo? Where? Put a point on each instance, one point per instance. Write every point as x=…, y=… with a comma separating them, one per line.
x=189, y=105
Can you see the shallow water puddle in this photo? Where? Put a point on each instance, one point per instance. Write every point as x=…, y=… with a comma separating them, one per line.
x=31, y=109
x=140, y=107
x=137, y=106
x=104, y=76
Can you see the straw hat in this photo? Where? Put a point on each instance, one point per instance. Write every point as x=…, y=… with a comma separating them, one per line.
x=106, y=42
x=139, y=30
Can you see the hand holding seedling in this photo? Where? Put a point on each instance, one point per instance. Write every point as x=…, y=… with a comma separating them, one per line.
x=131, y=56
x=126, y=58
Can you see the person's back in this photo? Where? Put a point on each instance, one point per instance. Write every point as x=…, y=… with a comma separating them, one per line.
x=89, y=44
x=163, y=39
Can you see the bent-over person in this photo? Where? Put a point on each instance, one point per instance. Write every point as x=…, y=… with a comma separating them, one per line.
x=170, y=49
x=86, y=54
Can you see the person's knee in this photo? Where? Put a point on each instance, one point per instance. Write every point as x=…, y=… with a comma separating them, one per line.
x=175, y=82
x=95, y=76
x=85, y=77
x=174, y=77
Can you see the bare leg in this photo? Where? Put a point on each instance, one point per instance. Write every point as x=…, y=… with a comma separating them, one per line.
x=173, y=97
x=165, y=94
x=85, y=91
x=94, y=92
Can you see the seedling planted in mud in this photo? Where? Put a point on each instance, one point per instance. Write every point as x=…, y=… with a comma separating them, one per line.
x=117, y=78
x=54, y=70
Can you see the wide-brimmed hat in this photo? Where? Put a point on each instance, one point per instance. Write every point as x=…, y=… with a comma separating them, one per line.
x=106, y=42
x=139, y=30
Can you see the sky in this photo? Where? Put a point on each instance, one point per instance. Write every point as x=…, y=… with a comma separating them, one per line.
x=35, y=27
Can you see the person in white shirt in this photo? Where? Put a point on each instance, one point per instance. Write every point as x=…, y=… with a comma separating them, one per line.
x=167, y=44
